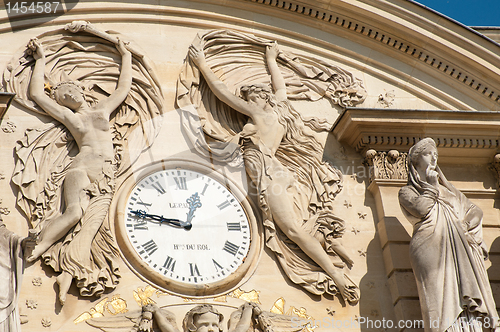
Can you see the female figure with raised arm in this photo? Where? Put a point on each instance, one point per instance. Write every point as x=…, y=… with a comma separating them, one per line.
x=447, y=250
x=272, y=124
x=91, y=172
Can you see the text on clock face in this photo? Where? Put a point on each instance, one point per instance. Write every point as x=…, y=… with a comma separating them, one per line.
x=187, y=226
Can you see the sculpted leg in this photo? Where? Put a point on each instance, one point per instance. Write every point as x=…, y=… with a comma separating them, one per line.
x=64, y=281
x=284, y=217
x=74, y=184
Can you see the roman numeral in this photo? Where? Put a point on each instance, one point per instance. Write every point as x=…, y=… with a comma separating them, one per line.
x=234, y=226
x=230, y=248
x=169, y=264
x=158, y=187
x=141, y=225
x=204, y=189
x=223, y=205
x=217, y=265
x=193, y=268
x=180, y=183
x=150, y=247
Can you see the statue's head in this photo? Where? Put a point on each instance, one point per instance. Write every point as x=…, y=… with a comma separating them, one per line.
x=423, y=154
x=69, y=94
x=247, y=92
x=202, y=318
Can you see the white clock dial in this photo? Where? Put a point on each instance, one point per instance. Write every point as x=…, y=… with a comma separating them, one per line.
x=186, y=230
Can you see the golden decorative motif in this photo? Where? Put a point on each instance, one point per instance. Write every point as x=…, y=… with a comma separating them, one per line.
x=94, y=312
x=222, y=298
x=119, y=305
x=251, y=296
x=143, y=296
x=279, y=308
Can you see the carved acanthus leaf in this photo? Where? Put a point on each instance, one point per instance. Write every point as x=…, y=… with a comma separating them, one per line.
x=387, y=165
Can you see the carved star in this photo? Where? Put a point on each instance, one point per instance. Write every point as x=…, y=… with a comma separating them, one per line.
x=355, y=230
x=347, y=204
x=330, y=311
x=370, y=285
x=362, y=252
x=47, y=87
x=356, y=318
x=361, y=215
x=374, y=313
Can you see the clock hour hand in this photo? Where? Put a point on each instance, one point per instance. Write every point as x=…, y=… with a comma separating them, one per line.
x=194, y=203
x=174, y=222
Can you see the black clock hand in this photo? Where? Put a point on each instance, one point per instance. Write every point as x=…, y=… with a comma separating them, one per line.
x=194, y=203
x=161, y=219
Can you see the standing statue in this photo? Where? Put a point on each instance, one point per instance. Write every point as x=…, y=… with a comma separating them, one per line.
x=103, y=101
x=447, y=250
x=13, y=249
x=283, y=158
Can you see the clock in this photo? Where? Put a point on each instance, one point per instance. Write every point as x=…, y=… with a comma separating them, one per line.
x=187, y=228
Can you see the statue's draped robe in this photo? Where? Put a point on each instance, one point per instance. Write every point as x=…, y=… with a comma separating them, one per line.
x=239, y=59
x=11, y=272
x=88, y=252
x=446, y=256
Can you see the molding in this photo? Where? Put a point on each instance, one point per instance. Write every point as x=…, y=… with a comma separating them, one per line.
x=463, y=137
x=396, y=37
x=455, y=55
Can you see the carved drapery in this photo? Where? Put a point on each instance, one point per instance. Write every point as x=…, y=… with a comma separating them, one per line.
x=84, y=54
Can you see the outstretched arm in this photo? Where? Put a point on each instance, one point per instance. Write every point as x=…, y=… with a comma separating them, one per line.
x=276, y=77
x=124, y=82
x=218, y=87
x=58, y=112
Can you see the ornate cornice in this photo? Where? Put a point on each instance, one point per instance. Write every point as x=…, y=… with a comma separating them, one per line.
x=464, y=137
x=417, y=49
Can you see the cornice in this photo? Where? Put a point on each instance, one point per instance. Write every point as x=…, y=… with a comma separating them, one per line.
x=471, y=61
x=453, y=54
x=465, y=137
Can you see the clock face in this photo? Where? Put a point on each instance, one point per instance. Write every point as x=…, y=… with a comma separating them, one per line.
x=187, y=231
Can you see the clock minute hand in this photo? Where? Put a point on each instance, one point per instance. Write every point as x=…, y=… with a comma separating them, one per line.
x=161, y=219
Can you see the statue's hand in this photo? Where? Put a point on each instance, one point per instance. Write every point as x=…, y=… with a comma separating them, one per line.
x=197, y=56
x=121, y=47
x=272, y=51
x=432, y=175
x=37, y=49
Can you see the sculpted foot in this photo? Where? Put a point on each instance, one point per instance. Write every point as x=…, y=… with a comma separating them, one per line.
x=36, y=253
x=64, y=282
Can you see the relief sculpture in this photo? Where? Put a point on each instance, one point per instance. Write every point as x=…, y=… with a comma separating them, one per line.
x=104, y=100
x=241, y=89
x=447, y=250
x=249, y=317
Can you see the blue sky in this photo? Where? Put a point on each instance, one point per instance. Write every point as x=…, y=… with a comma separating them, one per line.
x=468, y=12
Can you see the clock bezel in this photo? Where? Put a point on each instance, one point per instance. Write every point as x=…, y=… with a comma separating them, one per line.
x=145, y=272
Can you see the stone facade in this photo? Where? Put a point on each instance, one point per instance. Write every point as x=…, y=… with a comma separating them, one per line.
x=363, y=80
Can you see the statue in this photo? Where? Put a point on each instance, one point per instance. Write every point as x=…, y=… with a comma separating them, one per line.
x=90, y=173
x=447, y=250
x=13, y=249
x=201, y=318
x=281, y=155
x=104, y=100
